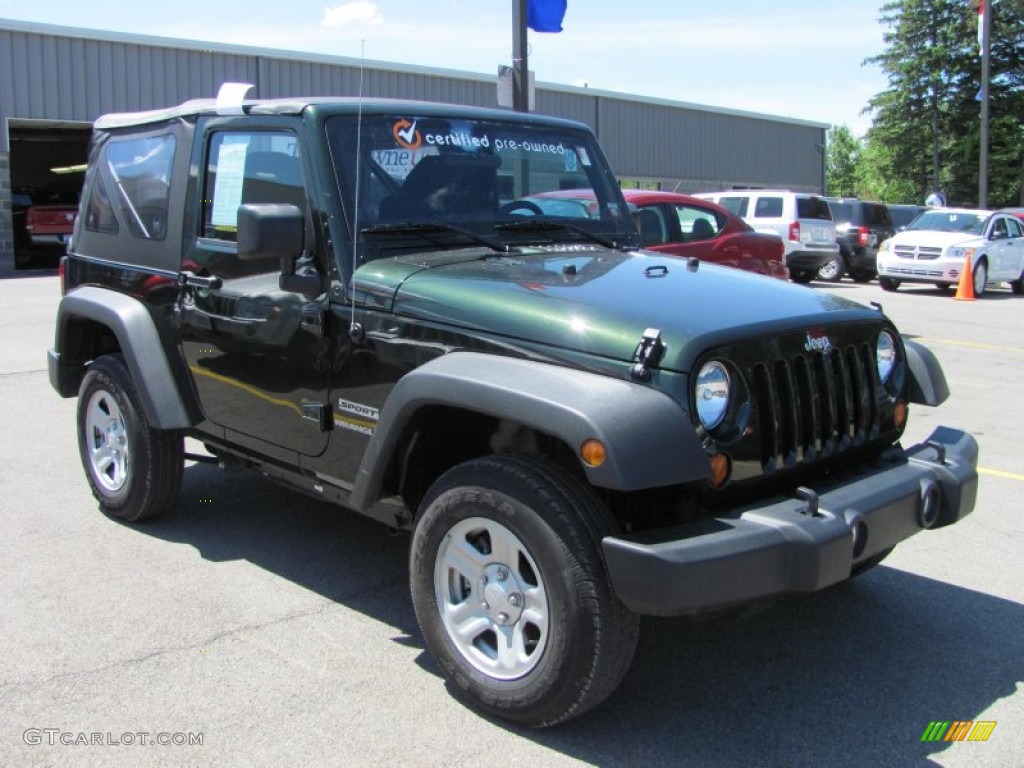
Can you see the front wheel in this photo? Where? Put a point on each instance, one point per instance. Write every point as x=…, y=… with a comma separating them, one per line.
x=511, y=591
x=862, y=275
x=134, y=470
x=888, y=284
x=980, y=278
x=801, y=276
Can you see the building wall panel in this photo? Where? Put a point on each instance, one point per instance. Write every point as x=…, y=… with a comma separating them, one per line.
x=82, y=75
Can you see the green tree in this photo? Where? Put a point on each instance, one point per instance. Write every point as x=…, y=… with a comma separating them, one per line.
x=842, y=156
x=926, y=124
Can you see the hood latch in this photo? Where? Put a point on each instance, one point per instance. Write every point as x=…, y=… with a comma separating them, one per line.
x=647, y=355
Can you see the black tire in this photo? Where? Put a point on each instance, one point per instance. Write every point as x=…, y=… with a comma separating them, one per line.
x=134, y=470
x=802, y=276
x=945, y=287
x=834, y=270
x=888, y=284
x=503, y=526
x=862, y=275
x=1017, y=286
x=980, y=277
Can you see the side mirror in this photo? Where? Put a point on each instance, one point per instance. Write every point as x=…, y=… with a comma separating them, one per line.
x=271, y=231
x=277, y=231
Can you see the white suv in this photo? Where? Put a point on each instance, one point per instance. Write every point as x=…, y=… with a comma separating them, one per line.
x=940, y=243
x=801, y=219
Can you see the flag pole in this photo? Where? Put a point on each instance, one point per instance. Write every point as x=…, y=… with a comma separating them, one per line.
x=520, y=71
x=985, y=34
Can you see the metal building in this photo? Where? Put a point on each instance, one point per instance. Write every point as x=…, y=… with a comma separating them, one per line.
x=57, y=80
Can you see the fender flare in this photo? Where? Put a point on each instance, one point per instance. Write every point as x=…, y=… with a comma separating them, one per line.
x=140, y=343
x=927, y=383
x=650, y=441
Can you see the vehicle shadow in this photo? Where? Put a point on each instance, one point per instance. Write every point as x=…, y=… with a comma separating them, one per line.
x=850, y=676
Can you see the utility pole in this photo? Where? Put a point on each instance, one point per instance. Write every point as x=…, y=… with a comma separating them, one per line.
x=520, y=70
x=985, y=19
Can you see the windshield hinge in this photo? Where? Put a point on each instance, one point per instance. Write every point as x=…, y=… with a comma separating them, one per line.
x=647, y=355
x=312, y=320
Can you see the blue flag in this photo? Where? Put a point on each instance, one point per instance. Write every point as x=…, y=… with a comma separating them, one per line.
x=545, y=15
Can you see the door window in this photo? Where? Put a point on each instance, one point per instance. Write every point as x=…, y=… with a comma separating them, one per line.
x=768, y=208
x=249, y=167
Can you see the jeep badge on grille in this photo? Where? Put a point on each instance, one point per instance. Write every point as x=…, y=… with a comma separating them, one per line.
x=817, y=342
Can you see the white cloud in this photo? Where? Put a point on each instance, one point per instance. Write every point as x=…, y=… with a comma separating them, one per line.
x=362, y=11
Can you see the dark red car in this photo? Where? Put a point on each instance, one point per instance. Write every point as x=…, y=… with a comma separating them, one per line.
x=50, y=224
x=685, y=226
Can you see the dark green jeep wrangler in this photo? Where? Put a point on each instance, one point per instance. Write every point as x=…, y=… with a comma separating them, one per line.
x=355, y=298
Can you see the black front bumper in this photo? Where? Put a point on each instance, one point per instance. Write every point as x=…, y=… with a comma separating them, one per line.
x=786, y=546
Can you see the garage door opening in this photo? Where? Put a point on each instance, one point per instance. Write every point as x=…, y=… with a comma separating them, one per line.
x=47, y=163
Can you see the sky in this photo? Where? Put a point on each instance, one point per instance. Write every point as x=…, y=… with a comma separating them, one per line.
x=794, y=58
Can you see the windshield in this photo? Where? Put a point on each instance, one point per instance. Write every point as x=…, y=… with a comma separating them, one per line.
x=951, y=221
x=418, y=174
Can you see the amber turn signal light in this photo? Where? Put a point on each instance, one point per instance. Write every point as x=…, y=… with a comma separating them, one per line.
x=593, y=453
x=899, y=414
x=721, y=468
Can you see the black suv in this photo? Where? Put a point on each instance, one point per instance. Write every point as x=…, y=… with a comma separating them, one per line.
x=356, y=298
x=861, y=227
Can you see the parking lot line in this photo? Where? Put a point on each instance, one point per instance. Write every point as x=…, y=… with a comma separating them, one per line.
x=1000, y=473
x=975, y=344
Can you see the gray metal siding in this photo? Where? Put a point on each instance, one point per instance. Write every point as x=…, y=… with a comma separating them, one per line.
x=708, y=149
x=77, y=75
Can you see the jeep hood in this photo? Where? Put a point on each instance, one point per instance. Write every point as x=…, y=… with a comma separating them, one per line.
x=599, y=302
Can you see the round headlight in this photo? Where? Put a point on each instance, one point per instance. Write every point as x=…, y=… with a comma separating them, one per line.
x=712, y=394
x=885, y=355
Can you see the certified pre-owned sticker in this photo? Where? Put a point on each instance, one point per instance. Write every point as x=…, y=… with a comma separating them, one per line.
x=406, y=135
x=356, y=417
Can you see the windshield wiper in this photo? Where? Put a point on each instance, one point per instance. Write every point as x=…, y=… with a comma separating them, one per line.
x=424, y=230
x=550, y=226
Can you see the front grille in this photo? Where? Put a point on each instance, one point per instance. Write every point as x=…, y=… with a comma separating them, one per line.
x=917, y=252
x=815, y=405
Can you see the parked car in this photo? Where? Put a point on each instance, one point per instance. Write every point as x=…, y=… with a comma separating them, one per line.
x=861, y=226
x=682, y=225
x=50, y=224
x=801, y=219
x=902, y=215
x=1018, y=212
x=939, y=243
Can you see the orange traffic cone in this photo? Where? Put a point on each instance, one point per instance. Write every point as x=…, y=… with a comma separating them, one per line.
x=965, y=288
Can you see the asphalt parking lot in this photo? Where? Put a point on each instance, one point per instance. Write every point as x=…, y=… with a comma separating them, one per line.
x=256, y=627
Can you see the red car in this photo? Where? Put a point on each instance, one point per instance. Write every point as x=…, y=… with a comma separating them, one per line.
x=685, y=226
x=50, y=224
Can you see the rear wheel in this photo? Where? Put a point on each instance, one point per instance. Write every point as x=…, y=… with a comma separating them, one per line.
x=511, y=591
x=833, y=271
x=1017, y=286
x=888, y=284
x=134, y=470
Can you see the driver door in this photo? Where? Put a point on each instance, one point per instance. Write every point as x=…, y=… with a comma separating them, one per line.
x=257, y=354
